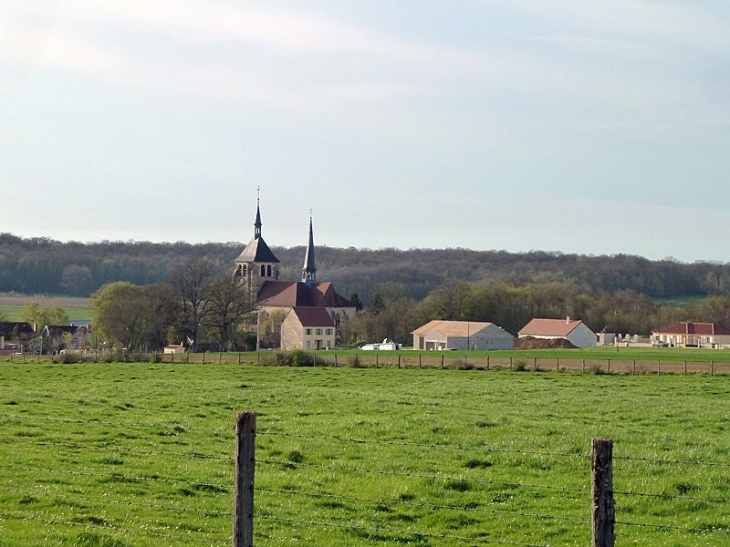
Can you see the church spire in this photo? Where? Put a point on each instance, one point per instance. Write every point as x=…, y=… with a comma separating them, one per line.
x=309, y=271
x=257, y=223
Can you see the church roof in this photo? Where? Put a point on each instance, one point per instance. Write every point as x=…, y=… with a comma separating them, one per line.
x=257, y=251
x=288, y=294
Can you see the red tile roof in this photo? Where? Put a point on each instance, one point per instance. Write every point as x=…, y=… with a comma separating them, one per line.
x=451, y=328
x=549, y=327
x=290, y=294
x=700, y=329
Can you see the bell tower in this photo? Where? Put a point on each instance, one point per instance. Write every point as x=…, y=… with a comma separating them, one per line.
x=257, y=263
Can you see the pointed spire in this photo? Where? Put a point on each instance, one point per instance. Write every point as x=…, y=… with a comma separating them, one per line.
x=257, y=223
x=309, y=271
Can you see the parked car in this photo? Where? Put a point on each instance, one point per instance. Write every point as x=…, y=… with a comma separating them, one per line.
x=659, y=344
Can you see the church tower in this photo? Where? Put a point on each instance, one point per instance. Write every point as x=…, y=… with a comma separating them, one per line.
x=257, y=263
x=309, y=270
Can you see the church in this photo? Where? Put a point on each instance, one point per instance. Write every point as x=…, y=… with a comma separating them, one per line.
x=311, y=312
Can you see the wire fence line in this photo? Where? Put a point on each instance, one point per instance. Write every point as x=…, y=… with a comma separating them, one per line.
x=53, y=495
x=612, y=363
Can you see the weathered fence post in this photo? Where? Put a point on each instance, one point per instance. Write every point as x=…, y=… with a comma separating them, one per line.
x=712, y=368
x=243, y=489
x=685, y=367
x=487, y=362
x=603, y=516
x=420, y=361
x=609, y=366
x=335, y=360
x=584, y=364
x=510, y=362
x=442, y=360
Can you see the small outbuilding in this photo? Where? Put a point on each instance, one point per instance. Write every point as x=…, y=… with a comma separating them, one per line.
x=461, y=335
x=174, y=349
x=573, y=330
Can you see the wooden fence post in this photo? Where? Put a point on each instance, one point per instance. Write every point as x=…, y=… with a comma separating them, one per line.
x=584, y=364
x=603, y=516
x=243, y=488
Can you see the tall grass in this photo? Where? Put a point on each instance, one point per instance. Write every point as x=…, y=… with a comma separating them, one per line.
x=142, y=454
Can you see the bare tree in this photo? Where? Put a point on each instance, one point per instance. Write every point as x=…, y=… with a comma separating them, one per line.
x=191, y=281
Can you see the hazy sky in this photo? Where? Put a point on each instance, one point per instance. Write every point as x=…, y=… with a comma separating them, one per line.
x=579, y=126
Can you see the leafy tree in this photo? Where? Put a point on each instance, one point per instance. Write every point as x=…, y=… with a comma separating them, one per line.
x=39, y=316
x=117, y=315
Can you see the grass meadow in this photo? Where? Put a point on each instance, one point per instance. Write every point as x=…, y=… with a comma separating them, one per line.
x=137, y=454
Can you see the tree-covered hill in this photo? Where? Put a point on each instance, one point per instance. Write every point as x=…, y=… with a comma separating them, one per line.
x=43, y=265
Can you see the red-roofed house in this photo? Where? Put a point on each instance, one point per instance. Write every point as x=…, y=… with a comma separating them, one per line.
x=307, y=328
x=693, y=335
x=574, y=331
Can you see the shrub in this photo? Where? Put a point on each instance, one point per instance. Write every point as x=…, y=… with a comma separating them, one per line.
x=520, y=366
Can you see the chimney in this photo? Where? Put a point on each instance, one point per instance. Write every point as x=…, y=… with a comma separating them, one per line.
x=567, y=320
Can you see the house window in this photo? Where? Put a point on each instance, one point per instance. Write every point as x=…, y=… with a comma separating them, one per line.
x=329, y=332
x=318, y=332
x=308, y=332
x=268, y=270
x=263, y=270
x=329, y=343
x=309, y=344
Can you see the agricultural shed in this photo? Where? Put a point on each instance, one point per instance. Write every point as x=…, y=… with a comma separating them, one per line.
x=573, y=330
x=461, y=335
x=693, y=335
x=307, y=327
x=172, y=349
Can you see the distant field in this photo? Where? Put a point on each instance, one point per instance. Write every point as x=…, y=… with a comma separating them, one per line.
x=141, y=455
x=77, y=308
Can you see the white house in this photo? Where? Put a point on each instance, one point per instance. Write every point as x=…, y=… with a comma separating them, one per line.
x=461, y=335
x=574, y=331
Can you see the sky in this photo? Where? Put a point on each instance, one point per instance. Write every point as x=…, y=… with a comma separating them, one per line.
x=573, y=126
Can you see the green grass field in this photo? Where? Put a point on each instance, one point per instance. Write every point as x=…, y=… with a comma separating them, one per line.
x=120, y=455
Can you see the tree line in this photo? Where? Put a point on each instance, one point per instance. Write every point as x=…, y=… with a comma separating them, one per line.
x=145, y=295
x=43, y=265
